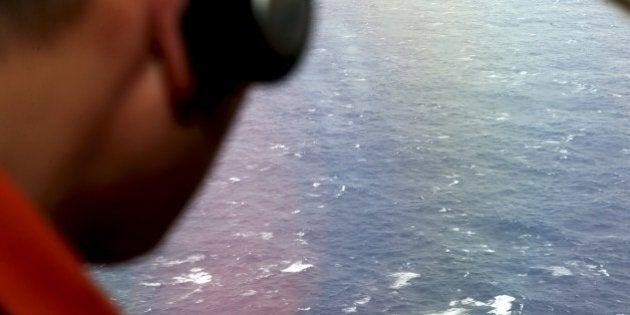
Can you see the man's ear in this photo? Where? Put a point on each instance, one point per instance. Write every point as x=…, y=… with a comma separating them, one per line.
x=169, y=45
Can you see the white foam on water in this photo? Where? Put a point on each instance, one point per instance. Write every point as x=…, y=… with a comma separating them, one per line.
x=234, y=180
x=559, y=271
x=551, y=142
x=588, y=270
x=300, y=238
x=249, y=293
x=362, y=301
x=278, y=147
x=487, y=249
x=502, y=305
x=245, y=234
x=503, y=117
x=151, y=284
x=355, y=304
x=266, y=235
x=304, y=309
x=265, y=271
x=341, y=192
x=452, y=311
x=297, y=267
x=196, y=276
x=350, y=309
x=402, y=279
x=471, y=301
x=188, y=260
x=185, y=296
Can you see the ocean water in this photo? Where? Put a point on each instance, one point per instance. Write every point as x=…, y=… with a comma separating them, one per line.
x=429, y=157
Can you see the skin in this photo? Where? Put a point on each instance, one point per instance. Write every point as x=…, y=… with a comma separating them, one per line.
x=91, y=126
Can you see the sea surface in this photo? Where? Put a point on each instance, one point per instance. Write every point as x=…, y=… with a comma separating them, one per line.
x=429, y=157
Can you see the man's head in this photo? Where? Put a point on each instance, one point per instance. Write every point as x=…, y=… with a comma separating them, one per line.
x=38, y=18
x=90, y=124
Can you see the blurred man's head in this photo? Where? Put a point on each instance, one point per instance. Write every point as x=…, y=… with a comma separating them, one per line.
x=90, y=93
x=38, y=18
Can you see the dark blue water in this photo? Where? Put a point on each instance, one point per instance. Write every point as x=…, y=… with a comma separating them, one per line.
x=464, y=157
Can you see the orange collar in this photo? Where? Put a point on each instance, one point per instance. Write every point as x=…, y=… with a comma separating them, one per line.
x=38, y=272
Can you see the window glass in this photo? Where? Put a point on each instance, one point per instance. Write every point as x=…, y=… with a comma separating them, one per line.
x=429, y=157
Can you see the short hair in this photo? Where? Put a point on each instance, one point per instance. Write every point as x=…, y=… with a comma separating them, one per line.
x=38, y=18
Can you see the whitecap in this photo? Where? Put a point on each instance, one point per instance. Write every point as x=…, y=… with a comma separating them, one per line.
x=278, y=147
x=196, y=276
x=473, y=302
x=451, y=311
x=266, y=235
x=559, y=271
x=453, y=183
x=350, y=309
x=402, y=279
x=249, y=293
x=502, y=305
x=189, y=259
x=297, y=267
x=362, y=301
x=151, y=284
x=265, y=271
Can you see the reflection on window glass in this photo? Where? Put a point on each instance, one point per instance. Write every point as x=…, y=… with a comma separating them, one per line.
x=445, y=157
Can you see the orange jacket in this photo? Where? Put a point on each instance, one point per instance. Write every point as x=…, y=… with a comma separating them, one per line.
x=39, y=274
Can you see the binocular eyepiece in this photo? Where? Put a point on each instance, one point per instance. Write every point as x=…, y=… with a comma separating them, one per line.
x=234, y=42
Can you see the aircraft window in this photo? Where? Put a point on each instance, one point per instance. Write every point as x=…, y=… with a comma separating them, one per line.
x=428, y=157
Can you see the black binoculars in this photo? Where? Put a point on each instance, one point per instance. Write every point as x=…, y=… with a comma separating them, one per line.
x=234, y=42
